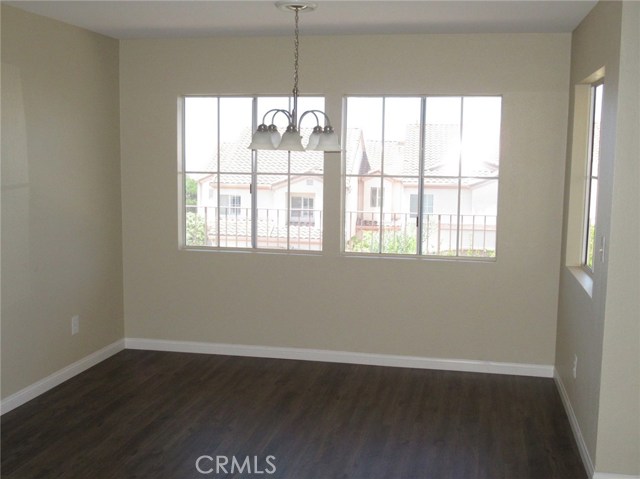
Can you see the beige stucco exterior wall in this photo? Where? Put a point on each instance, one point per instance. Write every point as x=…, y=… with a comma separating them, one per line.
x=61, y=210
x=494, y=311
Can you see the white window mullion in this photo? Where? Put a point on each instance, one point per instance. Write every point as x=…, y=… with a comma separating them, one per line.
x=217, y=217
x=381, y=196
x=458, y=219
x=253, y=188
x=421, y=147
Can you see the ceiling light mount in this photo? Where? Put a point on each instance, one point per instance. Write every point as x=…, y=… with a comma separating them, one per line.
x=267, y=137
x=297, y=6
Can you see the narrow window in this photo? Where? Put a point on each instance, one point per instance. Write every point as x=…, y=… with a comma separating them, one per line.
x=591, y=197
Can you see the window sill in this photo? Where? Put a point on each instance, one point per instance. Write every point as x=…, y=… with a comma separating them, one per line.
x=259, y=251
x=582, y=277
x=414, y=257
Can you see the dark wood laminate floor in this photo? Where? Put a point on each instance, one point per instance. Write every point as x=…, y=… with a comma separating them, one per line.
x=150, y=415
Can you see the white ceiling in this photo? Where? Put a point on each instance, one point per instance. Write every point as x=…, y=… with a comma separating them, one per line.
x=186, y=18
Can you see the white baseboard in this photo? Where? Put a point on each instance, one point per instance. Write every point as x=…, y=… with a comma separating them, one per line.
x=577, y=433
x=537, y=370
x=575, y=427
x=491, y=367
x=604, y=475
x=64, y=374
x=53, y=380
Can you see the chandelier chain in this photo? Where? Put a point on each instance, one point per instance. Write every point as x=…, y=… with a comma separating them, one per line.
x=295, y=53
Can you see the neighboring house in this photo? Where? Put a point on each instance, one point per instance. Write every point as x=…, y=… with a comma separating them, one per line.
x=290, y=198
x=382, y=190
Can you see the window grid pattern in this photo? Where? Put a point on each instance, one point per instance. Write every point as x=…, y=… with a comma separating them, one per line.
x=236, y=197
x=435, y=162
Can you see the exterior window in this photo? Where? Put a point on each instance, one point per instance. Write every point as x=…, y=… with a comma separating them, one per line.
x=301, y=211
x=238, y=198
x=230, y=204
x=421, y=175
x=427, y=207
x=591, y=197
x=375, y=197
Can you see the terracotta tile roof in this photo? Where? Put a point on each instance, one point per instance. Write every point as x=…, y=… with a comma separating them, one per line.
x=362, y=156
x=401, y=158
x=235, y=158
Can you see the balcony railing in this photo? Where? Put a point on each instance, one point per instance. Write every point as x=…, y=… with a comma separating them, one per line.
x=365, y=232
x=442, y=234
x=296, y=229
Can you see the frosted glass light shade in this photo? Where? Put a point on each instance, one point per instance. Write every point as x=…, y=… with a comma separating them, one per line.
x=291, y=141
x=314, y=138
x=329, y=142
x=261, y=139
x=275, y=136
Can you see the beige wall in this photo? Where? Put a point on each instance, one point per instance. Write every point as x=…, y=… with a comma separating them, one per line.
x=602, y=329
x=61, y=219
x=497, y=311
x=618, y=447
x=62, y=223
x=595, y=44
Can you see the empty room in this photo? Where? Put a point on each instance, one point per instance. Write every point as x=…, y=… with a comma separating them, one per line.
x=331, y=239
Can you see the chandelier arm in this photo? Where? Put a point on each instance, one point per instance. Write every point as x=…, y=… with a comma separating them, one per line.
x=326, y=117
x=313, y=112
x=275, y=111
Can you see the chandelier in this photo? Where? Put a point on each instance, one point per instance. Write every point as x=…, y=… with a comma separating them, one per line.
x=268, y=137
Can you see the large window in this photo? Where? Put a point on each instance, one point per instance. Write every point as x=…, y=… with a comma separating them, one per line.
x=591, y=197
x=238, y=198
x=421, y=175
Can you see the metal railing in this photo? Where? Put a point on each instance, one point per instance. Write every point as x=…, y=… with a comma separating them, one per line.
x=442, y=234
x=365, y=232
x=295, y=229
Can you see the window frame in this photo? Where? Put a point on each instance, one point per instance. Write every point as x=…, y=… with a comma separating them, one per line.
x=184, y=172
x=419, y=254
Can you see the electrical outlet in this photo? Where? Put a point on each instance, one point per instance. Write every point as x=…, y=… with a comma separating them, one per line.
x=75, y=324
x=575, y=366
